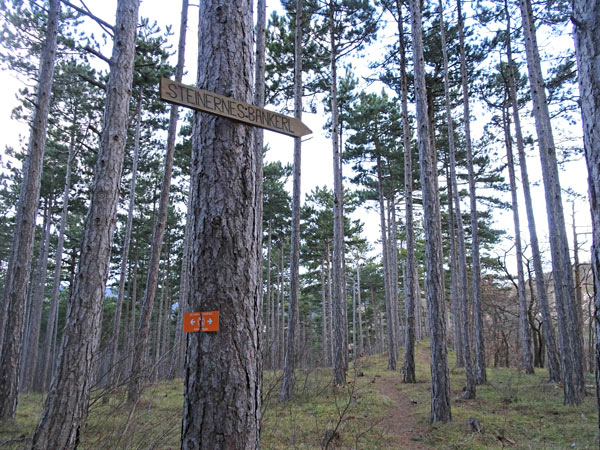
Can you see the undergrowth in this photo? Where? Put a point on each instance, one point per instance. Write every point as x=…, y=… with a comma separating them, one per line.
x=514, y=410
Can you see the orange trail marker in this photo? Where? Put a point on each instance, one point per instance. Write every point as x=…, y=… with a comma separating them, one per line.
x=191, y=322
x=210, y=321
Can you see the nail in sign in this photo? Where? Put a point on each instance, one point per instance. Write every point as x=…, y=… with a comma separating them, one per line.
x=201, y=321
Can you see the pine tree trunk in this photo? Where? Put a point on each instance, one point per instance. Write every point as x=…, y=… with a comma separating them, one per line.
x=523, y=322
x=548, y=326
x=571, y=350
x=66, y=406
x=324, y=318
x=30, y=354
x=361, y=341
x=461, y=284
x=393, y=254
x=440, y=393
x=289, y=377
x=136, y=381
x=480, y=373
x=339, y=304
x=180, y=344
x=391, y=340
x=18, y=271
x=224, y=369
x=114, y=361
x=410, y=288
x=586, y=30
x=268, y=304
x=43, y=374
x=457, y=324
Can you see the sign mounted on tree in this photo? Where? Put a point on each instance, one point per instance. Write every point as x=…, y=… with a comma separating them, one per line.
x=201, y=321
x=205, y=101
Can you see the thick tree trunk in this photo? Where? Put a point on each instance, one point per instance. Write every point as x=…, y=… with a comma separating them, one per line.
x=115, y=370
x=586, y=19
x=386, y=271
x=224, y=369
x=548, y=326
x=136, y=381
x=339, y=303
x=523, y=322
x=289, y=377
x=66, y=406
x=480, y=373
x=569, y=331
x=18, y=271
x=30, y=354
x=43, y=374
x=461, y=284
x=440, y=392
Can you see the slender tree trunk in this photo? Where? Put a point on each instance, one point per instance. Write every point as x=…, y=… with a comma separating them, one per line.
x=386, y=271
x=339, y=304
x=586, y=26
x=393, y=254
x=410, y=287
x=289, y=377
x=30, y=354
x=578, y=284
x=440, y=392
x=48, y=349
x=18, y=271
x=523, y=323
x=136, y=381
x=569, y=331
x=114, y=350
x=324, y=319
x=548, y=327
x=480, y=373
x=269, y=310
x=180, y=344
x=66, y=406
x=361, y=341
x=454, y=301
x=461, y=284
x=330, y=305
x=224, y=369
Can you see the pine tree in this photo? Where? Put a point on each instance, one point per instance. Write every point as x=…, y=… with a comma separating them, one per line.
x=66, y=406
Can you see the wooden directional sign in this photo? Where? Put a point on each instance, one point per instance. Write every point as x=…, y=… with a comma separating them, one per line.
x=192, y=97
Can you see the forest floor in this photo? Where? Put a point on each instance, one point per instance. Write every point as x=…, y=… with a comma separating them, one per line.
x=375, y=410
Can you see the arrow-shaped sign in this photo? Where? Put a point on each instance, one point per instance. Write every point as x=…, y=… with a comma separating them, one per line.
x=206, y=101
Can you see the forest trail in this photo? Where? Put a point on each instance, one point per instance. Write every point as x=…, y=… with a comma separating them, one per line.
x=400, y=421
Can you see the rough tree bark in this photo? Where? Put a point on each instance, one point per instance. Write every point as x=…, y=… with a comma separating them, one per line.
x=66, y=406
x=289, y=377
x=114, y=350
x=571, y=351
x=548, y=326
x=410, y=287
x=222, y=402
x=480, y=373
x=339, y=304
x=440, y=378
x=523, y=321
x=18, y=271
x=586, y=19
x=461, y=284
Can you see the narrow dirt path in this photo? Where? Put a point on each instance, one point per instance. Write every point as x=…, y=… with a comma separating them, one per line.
x=400, y=420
